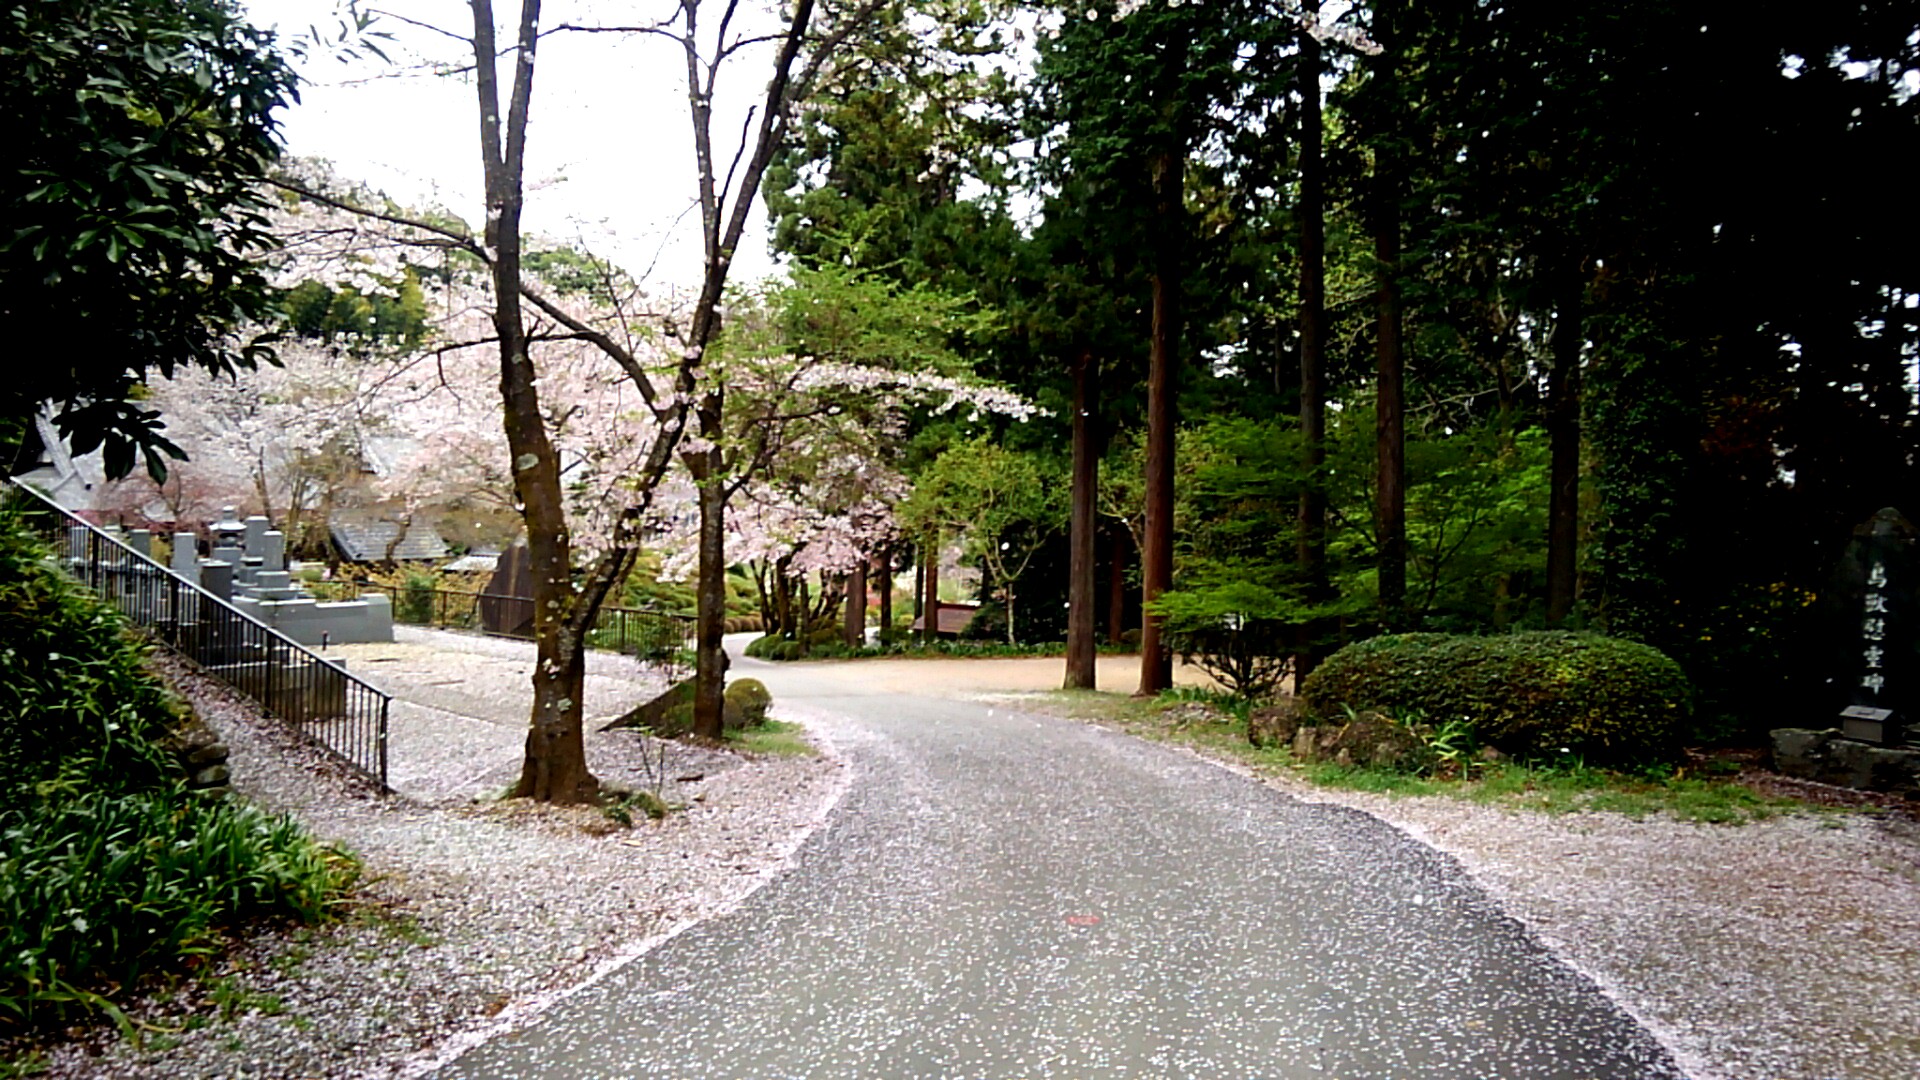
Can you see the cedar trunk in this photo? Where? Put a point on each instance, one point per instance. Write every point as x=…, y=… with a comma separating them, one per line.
x=1563, y=441
x=1081, y=617
x=1390, y=435
x=1169, y=180
x=886, y=592
x=930, y=582
x=856, y=621
x=1312, y=542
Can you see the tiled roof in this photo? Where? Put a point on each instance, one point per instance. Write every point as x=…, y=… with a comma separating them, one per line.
x=365, y=539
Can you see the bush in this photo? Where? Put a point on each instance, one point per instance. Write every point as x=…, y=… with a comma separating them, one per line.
x=109, y=866
x=416, y=599
x=1607, y=700
x=747, y=702
x=775, y=647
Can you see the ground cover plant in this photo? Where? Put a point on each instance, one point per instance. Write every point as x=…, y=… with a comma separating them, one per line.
x=110, y=868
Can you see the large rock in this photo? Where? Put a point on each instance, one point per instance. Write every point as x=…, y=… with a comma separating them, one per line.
x=1369, y=738
x=1828, y=758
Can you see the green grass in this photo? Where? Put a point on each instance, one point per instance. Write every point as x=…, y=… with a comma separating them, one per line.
x=775, y=738
x=1554, y=789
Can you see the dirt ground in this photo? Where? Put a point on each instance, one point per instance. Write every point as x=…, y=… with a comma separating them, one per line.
x=967, y=675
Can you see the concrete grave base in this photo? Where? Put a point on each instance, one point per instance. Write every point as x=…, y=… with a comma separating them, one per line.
x=1828, y=758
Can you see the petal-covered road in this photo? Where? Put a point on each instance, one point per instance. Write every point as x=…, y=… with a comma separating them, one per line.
x=1004, y=895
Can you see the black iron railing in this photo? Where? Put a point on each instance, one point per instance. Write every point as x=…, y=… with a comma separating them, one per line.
x=655, y=638
x=316, y=698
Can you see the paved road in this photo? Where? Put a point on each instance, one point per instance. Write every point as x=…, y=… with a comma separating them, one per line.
x=1003, y=895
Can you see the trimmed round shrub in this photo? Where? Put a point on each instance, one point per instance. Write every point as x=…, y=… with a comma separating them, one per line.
x=1532, y=694
x=747, y=702
x=774, y=647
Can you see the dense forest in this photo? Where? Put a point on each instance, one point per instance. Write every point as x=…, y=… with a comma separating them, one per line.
x=1468, y=316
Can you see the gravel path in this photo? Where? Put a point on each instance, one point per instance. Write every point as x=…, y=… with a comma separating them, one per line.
x=1010, y=895
x=474, y=915
x=1787, y=948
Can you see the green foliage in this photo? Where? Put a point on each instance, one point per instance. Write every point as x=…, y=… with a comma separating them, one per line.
x=138, y=132
x=400, y=321
x=417, y=598
x=775, y=647
x=747, y=702
x=1534, y=694
x=645, y=589
x=1006, y=504
x=109, y=866
x=77, y=711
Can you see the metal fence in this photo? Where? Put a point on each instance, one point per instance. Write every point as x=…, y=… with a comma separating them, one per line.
x=655, y=638
x=314, y=697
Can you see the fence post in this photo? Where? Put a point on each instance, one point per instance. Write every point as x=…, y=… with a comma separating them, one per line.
x=382, y=737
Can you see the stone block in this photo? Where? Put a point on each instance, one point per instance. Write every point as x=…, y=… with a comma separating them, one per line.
x=216, y=576
x=141, y=541
x=345, y=622
x=273, y=550
x=186, y=556
x=256, y=536
x=1826, y=757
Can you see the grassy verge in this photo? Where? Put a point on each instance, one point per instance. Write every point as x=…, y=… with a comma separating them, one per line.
x=1189, y=721
x=775, y=738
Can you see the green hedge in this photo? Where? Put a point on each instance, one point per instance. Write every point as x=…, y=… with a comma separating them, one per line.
x=1533, y=694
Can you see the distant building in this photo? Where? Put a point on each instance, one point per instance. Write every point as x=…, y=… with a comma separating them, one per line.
x=953, y=619
x=365, y=537
x=75, y=483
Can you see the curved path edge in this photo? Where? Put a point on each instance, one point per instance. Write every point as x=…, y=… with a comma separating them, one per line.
x=1696, y=1067
x=524, y=1012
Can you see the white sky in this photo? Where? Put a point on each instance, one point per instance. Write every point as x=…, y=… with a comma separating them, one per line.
x=609, y=144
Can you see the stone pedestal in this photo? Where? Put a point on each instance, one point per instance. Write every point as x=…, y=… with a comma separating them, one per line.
x=1828, y=757
x=216, y=576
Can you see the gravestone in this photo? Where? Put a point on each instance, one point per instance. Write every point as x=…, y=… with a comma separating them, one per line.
x=1874, y=604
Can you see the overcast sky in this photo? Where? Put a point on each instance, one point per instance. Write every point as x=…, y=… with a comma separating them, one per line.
x=609, y=145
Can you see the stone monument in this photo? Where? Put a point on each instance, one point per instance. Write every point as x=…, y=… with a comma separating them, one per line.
x=1872, y=602
x=1872, y=613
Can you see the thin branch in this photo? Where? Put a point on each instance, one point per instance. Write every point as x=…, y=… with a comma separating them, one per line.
x=457, y=240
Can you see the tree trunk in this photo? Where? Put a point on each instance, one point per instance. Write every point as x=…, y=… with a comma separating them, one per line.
x=805, y=634
x=886, y=593
x=555, y=769
x=783, y=597
x=710, y=585
x=856, y=621
x=1312, y=542
x=1118, y=546
x=1082, y=620
x=1563, y=442
x=1390, y=432
x=1169, y=179
x=930, y=598
x=920, y=588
